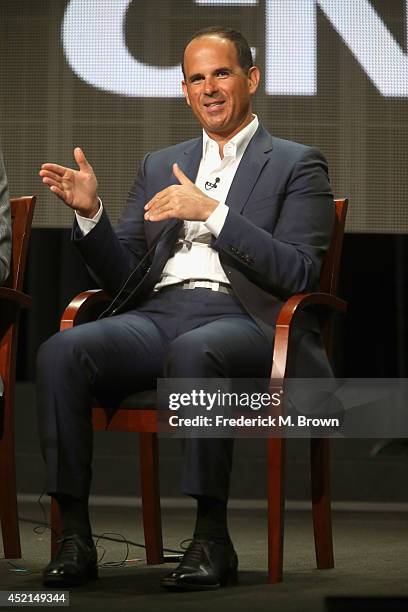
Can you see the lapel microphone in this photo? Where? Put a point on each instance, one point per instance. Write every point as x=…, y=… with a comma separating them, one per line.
x=209, y=185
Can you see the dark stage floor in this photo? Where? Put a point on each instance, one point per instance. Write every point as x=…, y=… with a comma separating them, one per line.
x=371, y=553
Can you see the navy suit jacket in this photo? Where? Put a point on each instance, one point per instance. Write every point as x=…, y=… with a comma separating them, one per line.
x=271, y=246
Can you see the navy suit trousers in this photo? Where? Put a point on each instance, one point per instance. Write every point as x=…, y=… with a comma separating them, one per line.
x=176, y=333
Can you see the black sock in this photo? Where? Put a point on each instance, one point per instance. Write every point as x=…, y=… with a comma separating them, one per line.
x=74, y=516
x=211, y=521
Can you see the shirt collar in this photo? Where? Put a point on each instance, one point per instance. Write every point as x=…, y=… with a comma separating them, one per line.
x=236, y=145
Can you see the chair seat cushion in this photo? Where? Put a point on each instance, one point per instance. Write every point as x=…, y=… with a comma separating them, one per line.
x=141, y=400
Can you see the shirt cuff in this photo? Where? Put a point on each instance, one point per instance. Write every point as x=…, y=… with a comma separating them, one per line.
x=216, y=220
x=85, y=224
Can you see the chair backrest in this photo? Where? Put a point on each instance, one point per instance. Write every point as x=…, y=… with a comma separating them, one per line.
x=329, y=276
x=22, y=210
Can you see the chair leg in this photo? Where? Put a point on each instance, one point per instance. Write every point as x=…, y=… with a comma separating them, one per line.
x=320, y=476
x=276, y=507
x=8, y=499
x=56, y=528
x=149, y=477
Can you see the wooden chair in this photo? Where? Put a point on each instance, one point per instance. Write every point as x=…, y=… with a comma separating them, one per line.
x=320, y=448
x=138, y=414
x=11, y=301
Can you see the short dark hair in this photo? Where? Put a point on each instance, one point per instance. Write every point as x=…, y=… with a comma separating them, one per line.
x=244, y=53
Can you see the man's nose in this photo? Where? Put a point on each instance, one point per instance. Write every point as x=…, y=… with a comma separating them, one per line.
x=210, y=86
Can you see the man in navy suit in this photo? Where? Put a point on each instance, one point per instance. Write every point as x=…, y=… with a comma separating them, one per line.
x=216, y=233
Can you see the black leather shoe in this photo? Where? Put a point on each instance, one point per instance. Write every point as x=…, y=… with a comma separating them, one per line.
x=75, y=563
x=205, y=565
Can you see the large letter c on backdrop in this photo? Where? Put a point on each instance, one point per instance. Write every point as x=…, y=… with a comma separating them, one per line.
x=95, y=48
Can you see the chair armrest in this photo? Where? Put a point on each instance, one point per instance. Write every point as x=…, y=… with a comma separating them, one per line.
x=15, y=297
x=287, y=314
x=82, y=307
x=300, y=301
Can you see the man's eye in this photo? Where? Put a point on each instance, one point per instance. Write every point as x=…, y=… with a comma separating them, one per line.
x=223, y=73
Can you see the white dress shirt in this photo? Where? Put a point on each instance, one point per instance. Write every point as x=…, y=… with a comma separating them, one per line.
x=197, y=260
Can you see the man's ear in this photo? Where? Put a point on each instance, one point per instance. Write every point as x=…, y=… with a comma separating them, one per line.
x=253, y=77
x=185, y=92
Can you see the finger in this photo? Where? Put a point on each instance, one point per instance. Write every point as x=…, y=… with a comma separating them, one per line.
x=60, y=170
x=60, y=194
x=52, y=183
x=160, y=216
x=52, y=175
x=180, y=176
x=81, y=160
x=160, y=212
x=161, y=196
x=154, y=212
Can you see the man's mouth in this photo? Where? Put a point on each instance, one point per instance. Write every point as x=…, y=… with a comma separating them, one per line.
x=215, y=104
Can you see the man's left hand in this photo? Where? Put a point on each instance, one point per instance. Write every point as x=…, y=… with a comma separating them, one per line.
x=185, y=201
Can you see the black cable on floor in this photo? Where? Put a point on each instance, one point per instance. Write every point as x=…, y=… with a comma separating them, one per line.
x=41, y=526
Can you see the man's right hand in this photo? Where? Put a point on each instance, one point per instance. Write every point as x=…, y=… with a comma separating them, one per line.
x=77, y=188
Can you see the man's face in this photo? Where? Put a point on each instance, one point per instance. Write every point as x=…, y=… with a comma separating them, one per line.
x=215, y=86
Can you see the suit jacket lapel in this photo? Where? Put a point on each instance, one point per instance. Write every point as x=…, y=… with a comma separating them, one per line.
x=249, y=169
x=189, y=162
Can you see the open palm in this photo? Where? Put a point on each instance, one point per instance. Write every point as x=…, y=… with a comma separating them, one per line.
x=77, y=188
